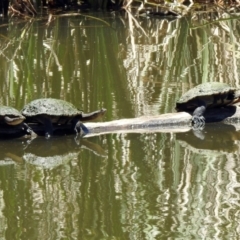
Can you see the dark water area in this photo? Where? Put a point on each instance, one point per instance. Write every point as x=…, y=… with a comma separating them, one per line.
x=148, y=185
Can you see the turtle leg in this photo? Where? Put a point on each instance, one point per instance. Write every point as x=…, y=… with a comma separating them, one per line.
x=198, y=119
x=48, y=127
x=29, y=130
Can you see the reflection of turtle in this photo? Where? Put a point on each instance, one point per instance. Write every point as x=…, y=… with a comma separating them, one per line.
x=50, y=112
x=55, y=152
x=206, y=95
x=11, y=151
x=11, y=117
x=218, y=138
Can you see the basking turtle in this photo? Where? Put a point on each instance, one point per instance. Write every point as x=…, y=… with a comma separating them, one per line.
x=52, y=112
x=10, y=116
x=206, y=95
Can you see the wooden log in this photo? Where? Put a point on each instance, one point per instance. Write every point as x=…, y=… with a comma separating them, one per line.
x=170, y=122
x=163, y=123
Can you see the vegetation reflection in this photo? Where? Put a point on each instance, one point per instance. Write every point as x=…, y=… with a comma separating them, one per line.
x=133, y=186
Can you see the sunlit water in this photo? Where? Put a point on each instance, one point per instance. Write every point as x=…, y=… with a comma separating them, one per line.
x=119, y=186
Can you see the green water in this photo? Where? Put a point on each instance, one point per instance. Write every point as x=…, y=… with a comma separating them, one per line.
x=118, y=186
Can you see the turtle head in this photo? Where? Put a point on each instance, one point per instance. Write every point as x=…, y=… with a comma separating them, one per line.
x=14, y=120
x=28, y=130
x=236, y=96
x=237, y=93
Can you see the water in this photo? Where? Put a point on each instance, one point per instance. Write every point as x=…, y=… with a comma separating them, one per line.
x=150, y=185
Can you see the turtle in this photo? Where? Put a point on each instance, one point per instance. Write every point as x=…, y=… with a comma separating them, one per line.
x=10, y=116
x=206, y=95
x=52, y=112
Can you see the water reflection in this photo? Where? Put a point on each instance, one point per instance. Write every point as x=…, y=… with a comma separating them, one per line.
x=216, y=137
x=42, y=179
x=207, y=189
x=47, y=153
x=52, y=153
x=171, y=181
x=11, y=152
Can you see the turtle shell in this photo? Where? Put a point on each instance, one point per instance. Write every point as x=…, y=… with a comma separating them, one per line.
x=213, y=94
x=11, y=113
x=55, y=109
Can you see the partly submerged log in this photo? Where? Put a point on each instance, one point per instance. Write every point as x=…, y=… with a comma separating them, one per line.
x=169, y=122
x=165, y=122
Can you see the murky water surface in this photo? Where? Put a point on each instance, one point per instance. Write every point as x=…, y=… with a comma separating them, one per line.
x=151, y=185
